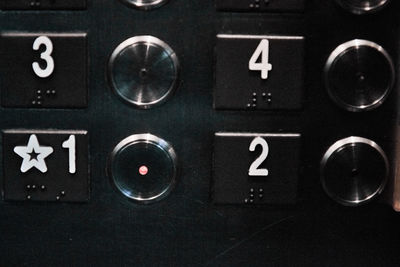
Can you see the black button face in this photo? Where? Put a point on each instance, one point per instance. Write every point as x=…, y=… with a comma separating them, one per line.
x=260, y=5
x=42, y=70
x=354, y=171
x=46, y=165
x=359, y=75
x=255, y=168
x=143, y=168
x=259, y=72
x=42, y=4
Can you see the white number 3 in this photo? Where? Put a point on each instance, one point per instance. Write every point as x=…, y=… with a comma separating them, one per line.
x=254, y=167
x=46, y=55
x=263, y=65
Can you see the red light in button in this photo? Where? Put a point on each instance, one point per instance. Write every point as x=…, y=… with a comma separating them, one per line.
x=143, y=170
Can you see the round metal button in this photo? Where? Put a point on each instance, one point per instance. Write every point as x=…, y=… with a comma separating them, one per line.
x=354, y=170
x=143, y=167
x=362, y=6
x=143, y=71
x=145, y=4
x=359, y=75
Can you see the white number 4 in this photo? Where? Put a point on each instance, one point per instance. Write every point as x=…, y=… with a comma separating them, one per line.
x=261, y=65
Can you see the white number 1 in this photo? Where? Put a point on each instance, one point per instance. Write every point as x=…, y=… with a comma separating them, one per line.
x=46, y=55
x=263, y=65
x=70, y=144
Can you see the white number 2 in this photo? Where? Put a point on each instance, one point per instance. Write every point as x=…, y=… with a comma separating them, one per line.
x=254, y=167
x=263, y=65
x=46, y=55
x=70, y=144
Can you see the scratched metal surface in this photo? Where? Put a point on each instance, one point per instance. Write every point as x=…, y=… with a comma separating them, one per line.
x=186, y=229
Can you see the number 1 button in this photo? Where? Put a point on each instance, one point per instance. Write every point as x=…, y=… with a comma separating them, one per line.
x=255, y=168
x=43, y=70
x=47, y=165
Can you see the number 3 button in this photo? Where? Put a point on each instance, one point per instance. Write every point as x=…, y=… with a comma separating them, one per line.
x=43, y=70
x=255, y=168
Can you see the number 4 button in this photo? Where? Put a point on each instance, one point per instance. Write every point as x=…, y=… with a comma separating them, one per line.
x=43, y=70
x=257, y=72
x=257, y=168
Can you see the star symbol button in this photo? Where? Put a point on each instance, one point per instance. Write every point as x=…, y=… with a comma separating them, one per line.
x=33, y=155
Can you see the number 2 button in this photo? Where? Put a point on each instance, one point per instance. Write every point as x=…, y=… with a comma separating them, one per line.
x=43, y=70
x=255, y=168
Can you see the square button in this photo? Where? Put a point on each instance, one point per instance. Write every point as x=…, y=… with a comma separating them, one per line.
x=42, y=4
x=255, y=168
x=261, y=5
x=255, y=72
x=43, y=70
x=46, y=165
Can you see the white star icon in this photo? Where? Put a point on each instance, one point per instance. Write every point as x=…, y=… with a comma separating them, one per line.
x=33, y=155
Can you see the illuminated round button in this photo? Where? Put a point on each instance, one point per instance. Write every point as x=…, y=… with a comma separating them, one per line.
x=145, y=4
x=359, y=75
x=362, y=6
x=143, y=71
x=354, y=170
x=143, y=167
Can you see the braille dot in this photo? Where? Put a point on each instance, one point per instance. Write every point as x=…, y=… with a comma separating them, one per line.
x=38, y=92
x=251, y=200
x=254, y=94
x=33, y=186
x=43, y=187
x=251, y=196
x=254, y=105
x=246, y=200
x=260, y=190
x=254, y=100
x=62, y=193
x=260, y=195
x=33, y=102
x=57, y=197
x=53, y=92
x=48, y=92
x=28, y=197
x=28, y=186
x=251, y=190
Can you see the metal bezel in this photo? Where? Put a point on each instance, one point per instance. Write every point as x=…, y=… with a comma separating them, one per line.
x=337, y=53
x=143, y=39
x=149, y=139
x=352, y=141
x=362, y=10
x=145, y=4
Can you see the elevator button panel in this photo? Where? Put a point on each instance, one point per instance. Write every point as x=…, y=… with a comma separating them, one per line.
x=42, y=4
x=255, y=72
x=46, y=165
x=44, y=70
x=255, y=168
x=260, y=5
